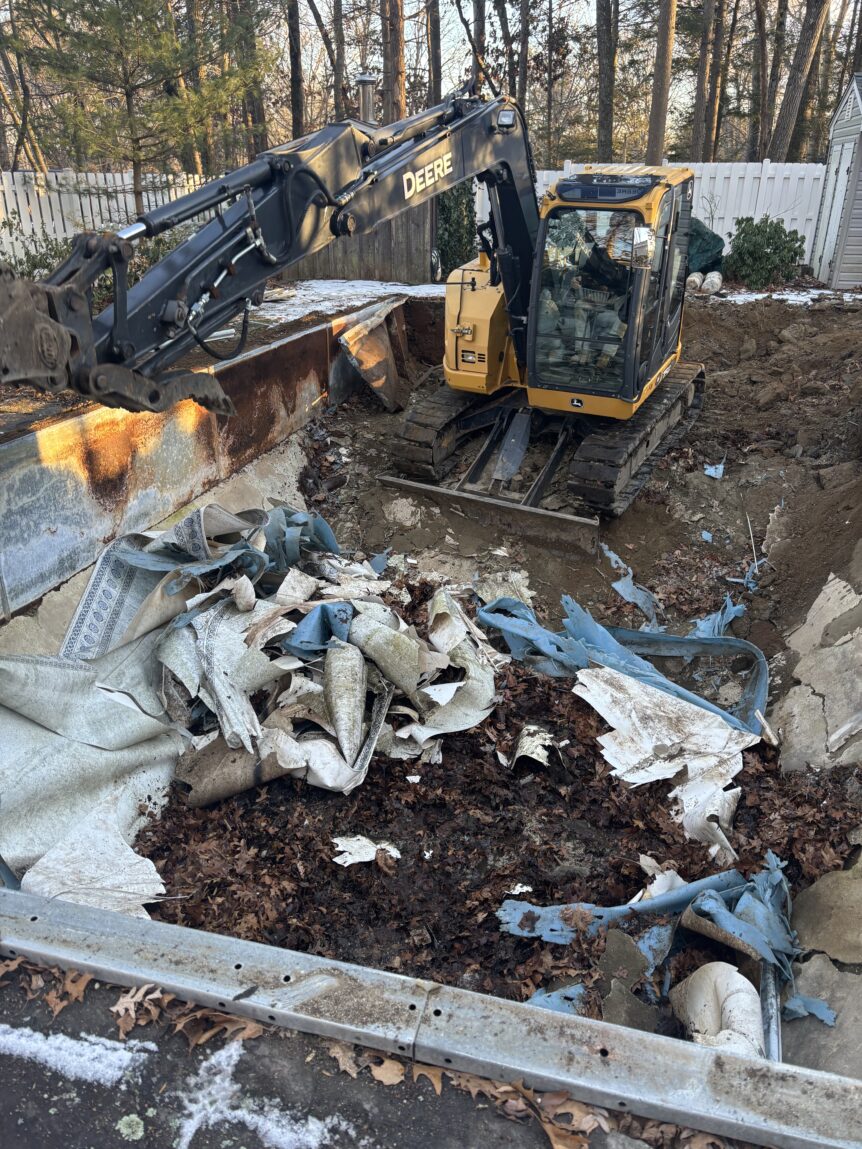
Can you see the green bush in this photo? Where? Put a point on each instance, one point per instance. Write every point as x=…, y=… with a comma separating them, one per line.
x=456, y=227
x=763, y=254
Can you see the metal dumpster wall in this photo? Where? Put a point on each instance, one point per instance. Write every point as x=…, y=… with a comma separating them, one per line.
x=71, y=484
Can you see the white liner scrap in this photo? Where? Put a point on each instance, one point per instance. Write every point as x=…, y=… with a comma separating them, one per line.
x=357, y=848
x=657, y=736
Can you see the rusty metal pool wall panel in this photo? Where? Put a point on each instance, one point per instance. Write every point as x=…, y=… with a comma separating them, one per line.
x=782, y=1106
x=72, y=484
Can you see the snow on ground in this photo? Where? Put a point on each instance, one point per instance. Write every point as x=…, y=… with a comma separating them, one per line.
x=213, y=1099
x=801, y=297
x=328, y=296
x=97, y=1060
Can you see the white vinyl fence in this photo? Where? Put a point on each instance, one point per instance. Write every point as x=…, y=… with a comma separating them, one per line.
x=63, y=203
x=724, y=192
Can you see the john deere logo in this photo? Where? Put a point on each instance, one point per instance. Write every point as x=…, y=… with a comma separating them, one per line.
x=577, y=402
x=423, y=178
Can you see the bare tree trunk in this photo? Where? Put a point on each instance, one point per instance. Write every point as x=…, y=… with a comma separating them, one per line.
x=197, y=77
x=435, y=58
x=135, y=150
x=523, y=51
x=846, y=63
x=856, y=63
x=254, y=110
x=775, y=70
x=549, y=86
x=297, y=89
x=508, y=47
x=816, y=12
x=711, y=117
x=800, y=141
x=607, y=34
x=386, y=70
x=661, y=81
x=478, y=44
x=725, y=69
x=396, y=50
x=338, y=71
x=698, y=128
x=755, y=108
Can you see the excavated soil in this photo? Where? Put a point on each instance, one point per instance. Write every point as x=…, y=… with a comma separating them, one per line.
x=783, y=410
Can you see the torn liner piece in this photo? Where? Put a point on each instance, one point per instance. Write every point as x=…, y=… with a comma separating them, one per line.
x=657, y=736
x=633, y=592
x=582, y=641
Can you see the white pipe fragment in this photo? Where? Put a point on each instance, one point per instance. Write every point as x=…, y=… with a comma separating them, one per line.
x=720, y=1008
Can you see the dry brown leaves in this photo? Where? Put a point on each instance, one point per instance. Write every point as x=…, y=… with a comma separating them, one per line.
x=199, y=1025
x=56, y=988
x=140, y=1006
x=566, y=1123
x=148, y=1004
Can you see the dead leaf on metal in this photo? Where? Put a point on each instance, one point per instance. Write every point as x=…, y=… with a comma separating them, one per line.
x=388, y=1071
x=345, y=1056
x=434, y=1075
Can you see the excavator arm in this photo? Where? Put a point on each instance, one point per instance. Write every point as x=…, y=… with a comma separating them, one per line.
x=332, y=185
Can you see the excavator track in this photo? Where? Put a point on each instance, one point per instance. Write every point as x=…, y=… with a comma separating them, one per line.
x=611, y=465
x=430, y=434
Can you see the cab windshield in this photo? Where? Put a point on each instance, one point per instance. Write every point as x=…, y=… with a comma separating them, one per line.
x=583, y=308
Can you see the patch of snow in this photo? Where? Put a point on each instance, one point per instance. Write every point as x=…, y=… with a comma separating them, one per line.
x=328, y=296
x=212, y=1098
x=799, y=298
x=98, y=1060
x=520, y=888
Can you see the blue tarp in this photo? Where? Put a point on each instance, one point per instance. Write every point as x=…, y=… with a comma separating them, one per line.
x=715, y=470
x=241, y=558
x=583, y=640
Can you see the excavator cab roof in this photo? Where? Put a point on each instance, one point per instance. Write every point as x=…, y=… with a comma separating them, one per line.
x=638, y=186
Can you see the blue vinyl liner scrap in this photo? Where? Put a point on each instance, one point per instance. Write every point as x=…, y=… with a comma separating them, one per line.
x=313, y=635
x=633, y=592
x=582, y=641
x=289, y=531
x=751, y=916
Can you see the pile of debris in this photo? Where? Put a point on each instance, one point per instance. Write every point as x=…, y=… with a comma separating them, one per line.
x=345, y=759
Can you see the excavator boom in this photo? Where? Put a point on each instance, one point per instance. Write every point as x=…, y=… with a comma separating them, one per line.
x=331, y=185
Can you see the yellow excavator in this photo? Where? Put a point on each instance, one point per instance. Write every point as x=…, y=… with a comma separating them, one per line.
x=602, y=377
x=566, y=327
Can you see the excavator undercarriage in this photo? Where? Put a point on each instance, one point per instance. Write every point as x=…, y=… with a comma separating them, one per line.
x=587, y=465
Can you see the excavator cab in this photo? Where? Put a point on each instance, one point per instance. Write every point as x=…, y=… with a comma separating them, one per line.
x=589, y=361
x=607, y=291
